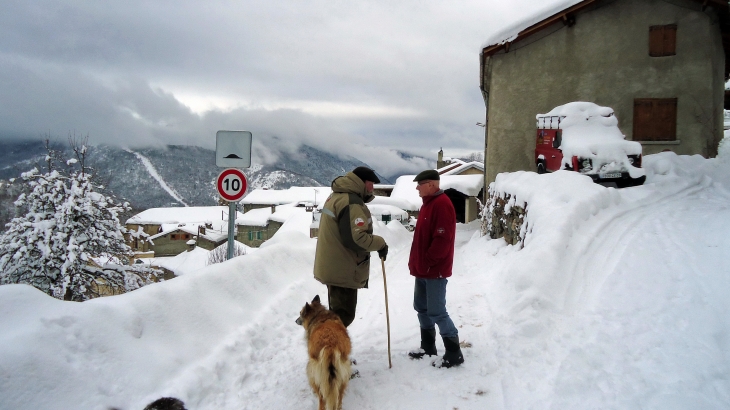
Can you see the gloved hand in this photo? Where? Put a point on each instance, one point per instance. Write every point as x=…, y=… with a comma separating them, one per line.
x=383, y=252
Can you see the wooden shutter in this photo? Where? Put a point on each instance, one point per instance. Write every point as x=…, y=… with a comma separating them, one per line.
x=663, y=40
x=655, y=119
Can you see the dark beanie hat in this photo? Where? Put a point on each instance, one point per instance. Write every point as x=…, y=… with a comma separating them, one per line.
x=366, y=174
x=429, y=174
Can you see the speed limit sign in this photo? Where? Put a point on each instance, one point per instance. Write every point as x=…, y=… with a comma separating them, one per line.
x=231, y=184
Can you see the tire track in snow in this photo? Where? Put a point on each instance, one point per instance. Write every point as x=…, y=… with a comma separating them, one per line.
x=153, y=172
x=599, y=247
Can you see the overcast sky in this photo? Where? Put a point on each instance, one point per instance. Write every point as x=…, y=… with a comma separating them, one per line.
x=356, y=77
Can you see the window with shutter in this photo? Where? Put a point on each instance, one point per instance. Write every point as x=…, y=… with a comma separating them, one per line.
x=655, y=119
x=663, y=40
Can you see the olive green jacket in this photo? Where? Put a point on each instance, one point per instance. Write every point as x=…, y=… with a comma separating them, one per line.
x=346, y=235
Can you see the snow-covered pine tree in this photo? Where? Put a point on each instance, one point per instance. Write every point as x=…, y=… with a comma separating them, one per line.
x=68, y=221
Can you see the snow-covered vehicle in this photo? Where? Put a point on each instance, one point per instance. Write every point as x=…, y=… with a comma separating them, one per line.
x=584, y=137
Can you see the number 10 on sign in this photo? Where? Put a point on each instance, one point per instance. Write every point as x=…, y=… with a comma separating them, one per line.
x=231, y=184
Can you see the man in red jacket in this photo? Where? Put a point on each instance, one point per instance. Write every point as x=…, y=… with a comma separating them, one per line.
x=432, y=256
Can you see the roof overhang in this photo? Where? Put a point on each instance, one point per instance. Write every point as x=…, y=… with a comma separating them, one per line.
x=567, y=17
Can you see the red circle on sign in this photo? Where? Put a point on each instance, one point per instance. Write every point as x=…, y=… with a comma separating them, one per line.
x=231, y=184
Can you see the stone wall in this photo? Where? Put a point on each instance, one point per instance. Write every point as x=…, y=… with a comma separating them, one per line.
x=503, y=219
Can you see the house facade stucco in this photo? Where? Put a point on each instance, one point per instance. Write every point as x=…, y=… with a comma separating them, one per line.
x=604, y=58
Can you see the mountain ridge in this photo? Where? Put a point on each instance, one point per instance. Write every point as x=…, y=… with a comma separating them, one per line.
x=189, y=171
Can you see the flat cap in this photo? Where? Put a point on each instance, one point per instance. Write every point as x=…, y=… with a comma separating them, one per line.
x=429, y=174
x=366, y=174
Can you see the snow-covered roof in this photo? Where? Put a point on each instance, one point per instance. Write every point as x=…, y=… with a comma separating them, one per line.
x=178, y=215
x=283, y=213
x=255, y=217
x=469, y=185
x=453, y=164
x=262, y=216
x=261, y=196
x=406, y=195
x=215, y=234
x=533, y=15
x=384, y=209
x=463, y=167
x=399, y=201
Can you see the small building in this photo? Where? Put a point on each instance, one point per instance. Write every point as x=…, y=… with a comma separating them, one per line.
x=174, y=242
x=259, y=225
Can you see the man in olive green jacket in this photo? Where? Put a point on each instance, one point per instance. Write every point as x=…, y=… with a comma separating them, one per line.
x=342, y=260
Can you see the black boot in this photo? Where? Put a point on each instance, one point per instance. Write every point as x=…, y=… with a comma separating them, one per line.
x=453, y=356
x=428, y=344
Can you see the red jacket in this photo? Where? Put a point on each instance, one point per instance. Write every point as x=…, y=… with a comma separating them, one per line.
x=432, y=251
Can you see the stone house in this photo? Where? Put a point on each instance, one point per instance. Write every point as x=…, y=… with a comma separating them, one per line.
x=174, y=242
x=169, y=229
x=661, y=65
x=259, y=225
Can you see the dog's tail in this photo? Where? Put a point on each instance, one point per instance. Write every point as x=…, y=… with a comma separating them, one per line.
x=332, y=373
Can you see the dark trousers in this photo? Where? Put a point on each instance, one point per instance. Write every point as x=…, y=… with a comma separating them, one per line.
x=429, y=301
x=342, y=301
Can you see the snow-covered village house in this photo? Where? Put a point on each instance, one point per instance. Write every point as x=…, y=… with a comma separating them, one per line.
x=455, y=166
x=170, y=229
x=267, y=198
x=661, y=65
x=463, y=190
x=259, y=225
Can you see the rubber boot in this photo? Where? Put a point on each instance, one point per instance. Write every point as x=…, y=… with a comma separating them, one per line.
x=453, y=356
x=428, y=345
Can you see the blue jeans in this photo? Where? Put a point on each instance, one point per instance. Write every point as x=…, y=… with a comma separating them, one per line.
x=429, y=300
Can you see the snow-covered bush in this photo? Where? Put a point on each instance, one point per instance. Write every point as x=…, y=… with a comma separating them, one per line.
x=68, y=220
x=220, y=254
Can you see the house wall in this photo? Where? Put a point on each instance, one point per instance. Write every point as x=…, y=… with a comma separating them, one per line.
x=141, y=245
x=604, y=58
x=471, y=171
x=471, y=210
x=152, y=229
x=244, y=230
x=166, y=246
x=207, y=244
x=248, y=207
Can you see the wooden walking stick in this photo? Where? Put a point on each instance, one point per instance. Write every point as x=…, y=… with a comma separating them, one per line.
x=387, y=315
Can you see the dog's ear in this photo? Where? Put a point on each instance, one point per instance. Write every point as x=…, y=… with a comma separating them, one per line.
x=316, y=299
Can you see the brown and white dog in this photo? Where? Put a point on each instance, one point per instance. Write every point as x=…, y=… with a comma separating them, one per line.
x=328, y=345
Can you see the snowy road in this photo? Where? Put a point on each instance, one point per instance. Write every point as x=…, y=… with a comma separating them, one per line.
x=633, y=332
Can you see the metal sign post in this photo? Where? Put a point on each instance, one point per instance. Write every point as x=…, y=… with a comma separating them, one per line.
x=231, y=185
x=232, y=149
x=231, y=229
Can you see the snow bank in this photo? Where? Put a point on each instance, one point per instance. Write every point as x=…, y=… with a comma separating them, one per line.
x=145, y=334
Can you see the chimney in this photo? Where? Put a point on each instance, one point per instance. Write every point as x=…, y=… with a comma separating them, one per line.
x=201, y=230
x=440, y=160
x=273, y=208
